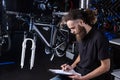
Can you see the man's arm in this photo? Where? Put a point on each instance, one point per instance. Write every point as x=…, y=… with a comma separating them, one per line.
x=104, y=67
x=66, y=67
x=76, y=61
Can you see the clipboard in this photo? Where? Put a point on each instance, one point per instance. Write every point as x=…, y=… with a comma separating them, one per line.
x=62, y=72
x=58, y=71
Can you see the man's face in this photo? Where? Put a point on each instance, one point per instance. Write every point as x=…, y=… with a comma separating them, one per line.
x=77, y=28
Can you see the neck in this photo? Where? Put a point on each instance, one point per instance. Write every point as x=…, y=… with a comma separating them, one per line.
x=88, y=28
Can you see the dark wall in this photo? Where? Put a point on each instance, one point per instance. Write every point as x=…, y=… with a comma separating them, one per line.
x=0, y=12
x=19, y=5
x=28, y=5
x=115, y=49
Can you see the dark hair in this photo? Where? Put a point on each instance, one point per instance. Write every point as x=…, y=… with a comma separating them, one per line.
x=88, y=16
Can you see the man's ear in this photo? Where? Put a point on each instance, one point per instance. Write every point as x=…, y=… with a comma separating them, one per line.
x=81, y=22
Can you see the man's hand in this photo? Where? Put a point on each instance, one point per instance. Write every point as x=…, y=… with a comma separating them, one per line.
x=77, y=77
x=66, y=67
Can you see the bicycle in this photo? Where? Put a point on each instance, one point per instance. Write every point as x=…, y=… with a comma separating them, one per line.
x=59, y=37
x=5, y=38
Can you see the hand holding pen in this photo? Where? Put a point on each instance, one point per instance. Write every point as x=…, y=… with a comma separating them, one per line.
x=66, y=67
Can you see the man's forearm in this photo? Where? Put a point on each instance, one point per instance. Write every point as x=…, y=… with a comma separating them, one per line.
x=98, y=71
x=75, y=62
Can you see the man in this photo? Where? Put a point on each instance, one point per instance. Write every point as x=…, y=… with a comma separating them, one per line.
x=93, y=61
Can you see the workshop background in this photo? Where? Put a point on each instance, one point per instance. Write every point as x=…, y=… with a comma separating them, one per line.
x=22, y=19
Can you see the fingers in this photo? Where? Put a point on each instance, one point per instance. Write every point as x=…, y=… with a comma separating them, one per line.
x=65, y=67
x=75, y=77
x=72, y=77
x=62, y=66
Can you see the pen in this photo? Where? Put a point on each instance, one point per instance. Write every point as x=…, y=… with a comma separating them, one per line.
x=65, y=67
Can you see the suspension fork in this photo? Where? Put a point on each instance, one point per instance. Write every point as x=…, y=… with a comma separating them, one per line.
x=32, y=51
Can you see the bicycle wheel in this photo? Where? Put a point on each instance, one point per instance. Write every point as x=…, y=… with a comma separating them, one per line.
x=60, y=41
x=6, y=43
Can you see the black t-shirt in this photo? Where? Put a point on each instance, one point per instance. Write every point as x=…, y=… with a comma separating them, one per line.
x=93, y=48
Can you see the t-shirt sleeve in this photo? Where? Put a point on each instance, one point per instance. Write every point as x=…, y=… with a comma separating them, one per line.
x=103, y=47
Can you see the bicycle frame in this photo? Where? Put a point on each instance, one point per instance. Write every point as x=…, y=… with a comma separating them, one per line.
x=51, y=45
x=33, y=27
x=41, y=35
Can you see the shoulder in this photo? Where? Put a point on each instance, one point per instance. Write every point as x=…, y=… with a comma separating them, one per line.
x=98, y=34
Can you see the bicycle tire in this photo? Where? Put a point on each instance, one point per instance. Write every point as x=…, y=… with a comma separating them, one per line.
x=6, y=45
x=60, y=42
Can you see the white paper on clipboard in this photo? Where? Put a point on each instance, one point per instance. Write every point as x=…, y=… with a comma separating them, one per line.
x=59, y=71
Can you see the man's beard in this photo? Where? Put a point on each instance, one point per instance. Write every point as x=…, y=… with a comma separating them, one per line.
x=81, y=33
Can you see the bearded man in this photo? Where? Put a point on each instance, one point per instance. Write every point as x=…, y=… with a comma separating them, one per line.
x=93, y=61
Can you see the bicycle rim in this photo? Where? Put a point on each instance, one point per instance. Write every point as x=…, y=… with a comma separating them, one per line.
x=60, y=42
